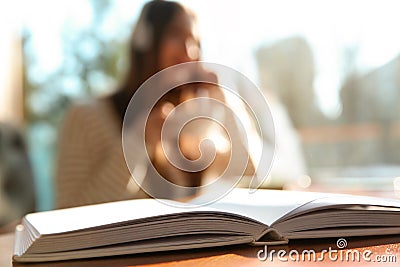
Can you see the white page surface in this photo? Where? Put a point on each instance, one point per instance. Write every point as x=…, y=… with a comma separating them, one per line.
x=263, y=205
x=58, y=221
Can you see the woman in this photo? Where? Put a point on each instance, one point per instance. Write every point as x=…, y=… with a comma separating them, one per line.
x=91, y=165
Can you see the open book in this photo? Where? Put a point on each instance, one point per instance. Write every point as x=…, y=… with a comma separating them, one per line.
x=263, y=217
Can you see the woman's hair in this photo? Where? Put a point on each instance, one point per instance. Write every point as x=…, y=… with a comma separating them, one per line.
x=144, y=49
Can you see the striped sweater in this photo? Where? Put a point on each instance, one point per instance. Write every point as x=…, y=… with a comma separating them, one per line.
x=90, y=166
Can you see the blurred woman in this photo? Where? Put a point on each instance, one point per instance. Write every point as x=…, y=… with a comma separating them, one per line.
x=91, y=164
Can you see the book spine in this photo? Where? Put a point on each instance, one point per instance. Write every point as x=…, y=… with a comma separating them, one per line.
x=270, y=236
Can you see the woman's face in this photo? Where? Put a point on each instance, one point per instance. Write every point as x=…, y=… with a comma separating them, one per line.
x=180, y=43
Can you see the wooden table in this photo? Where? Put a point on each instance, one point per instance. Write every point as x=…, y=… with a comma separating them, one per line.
x=386, y=246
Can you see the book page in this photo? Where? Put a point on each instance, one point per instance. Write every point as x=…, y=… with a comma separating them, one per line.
x=265, y=206
x=64, y=220
x=341, y=200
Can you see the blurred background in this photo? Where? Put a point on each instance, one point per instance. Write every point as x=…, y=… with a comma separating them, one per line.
x=330, y=71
